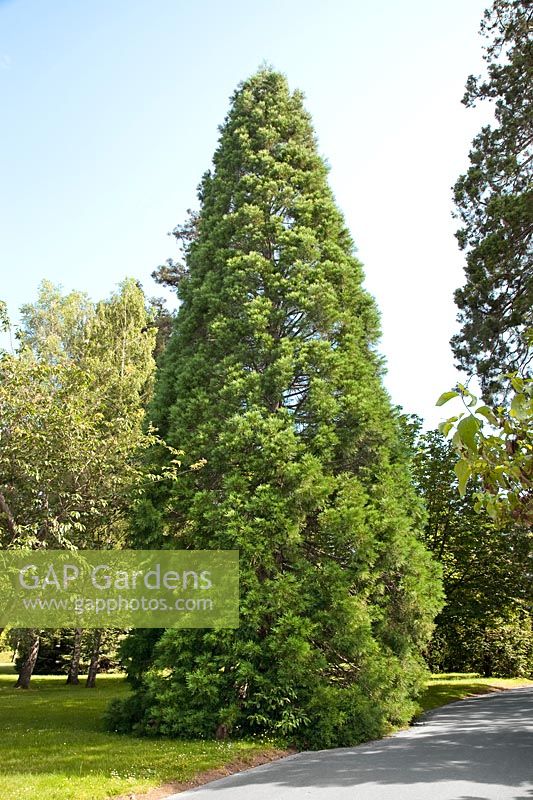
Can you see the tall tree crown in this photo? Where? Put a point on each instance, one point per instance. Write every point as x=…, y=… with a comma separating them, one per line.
x=272, y=376
x=494, y=201
x=273, y=292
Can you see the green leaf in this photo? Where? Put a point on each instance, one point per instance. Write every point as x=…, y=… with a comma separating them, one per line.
x=445, y=397
x=491, y=507
x=467, y=429
x=519, y=407
x=488, y=413
x=445, y=427
x=463, y=471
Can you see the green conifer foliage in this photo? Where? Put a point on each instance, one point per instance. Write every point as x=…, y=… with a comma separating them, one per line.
x=494, y=202
x=272, y=375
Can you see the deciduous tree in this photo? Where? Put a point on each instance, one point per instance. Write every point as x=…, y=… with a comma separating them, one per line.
x=72, y=402
x=495, y=448
x=485, y=625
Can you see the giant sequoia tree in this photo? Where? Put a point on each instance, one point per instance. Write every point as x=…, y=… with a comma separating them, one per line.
x=494, y=201
x=272, y=375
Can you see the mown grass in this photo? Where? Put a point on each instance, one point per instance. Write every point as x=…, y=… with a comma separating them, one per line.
x=53, y=746
x=448, y=687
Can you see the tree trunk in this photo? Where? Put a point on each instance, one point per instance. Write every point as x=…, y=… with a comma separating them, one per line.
x=26, y=670
x=95, y=657
x=74, y=668
x=487, y=665
x=8, y=516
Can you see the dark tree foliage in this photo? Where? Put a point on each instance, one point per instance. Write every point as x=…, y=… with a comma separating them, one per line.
x=172, y=272
x=54, y=648
x=169, y=274
x=494, y=201
x=272, y=375
x=162, y=320
x=485, y=625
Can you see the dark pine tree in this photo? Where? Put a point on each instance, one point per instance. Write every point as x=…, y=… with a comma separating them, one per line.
x=494, y=201
x=272, y=375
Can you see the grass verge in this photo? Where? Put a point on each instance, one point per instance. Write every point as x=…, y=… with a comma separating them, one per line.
x=448, y=687
x=53, y=745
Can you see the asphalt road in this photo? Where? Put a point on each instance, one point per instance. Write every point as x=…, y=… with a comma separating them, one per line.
x=477, y=749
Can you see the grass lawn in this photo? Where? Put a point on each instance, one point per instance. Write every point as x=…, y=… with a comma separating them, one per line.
x=53, y=746
x=446, y=688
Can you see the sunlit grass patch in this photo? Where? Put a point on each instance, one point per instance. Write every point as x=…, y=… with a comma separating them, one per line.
x=448, y=687
x=54, y=746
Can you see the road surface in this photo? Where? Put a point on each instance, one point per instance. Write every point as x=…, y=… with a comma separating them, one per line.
x=476, y=749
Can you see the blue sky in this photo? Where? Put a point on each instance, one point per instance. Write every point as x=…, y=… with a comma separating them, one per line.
x=110, y=114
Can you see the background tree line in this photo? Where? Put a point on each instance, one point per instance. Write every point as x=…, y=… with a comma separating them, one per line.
x=72, y=431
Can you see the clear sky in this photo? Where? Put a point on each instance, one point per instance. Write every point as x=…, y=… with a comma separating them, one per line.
x=110, y=113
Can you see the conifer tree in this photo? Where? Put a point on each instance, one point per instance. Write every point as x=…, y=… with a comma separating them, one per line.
x=272, y=375
x=494, y=202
